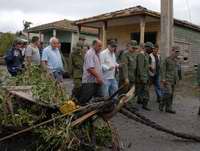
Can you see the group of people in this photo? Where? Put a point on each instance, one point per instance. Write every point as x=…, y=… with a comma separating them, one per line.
x=99, y=73
x=22, y=55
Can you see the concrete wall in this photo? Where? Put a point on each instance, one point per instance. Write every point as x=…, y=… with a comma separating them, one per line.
x=187, y=39
x=123, y=33
x=63, y=36
x=89, y=39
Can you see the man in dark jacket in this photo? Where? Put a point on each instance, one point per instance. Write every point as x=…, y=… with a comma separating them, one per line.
x=14, y=59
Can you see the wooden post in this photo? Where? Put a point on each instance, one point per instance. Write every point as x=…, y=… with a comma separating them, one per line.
x=167, y=26
x=79, y=30
x=142, y=29
x=104, y=36
x=40, y=36
x=28, y=36
x=54, y=32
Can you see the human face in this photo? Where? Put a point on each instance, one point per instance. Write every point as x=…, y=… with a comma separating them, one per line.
x=19, y=46
x=54, y=44
x=98, y=47
x=82, y=41
x=148, y=50
x=155, y=51
x=112, y=49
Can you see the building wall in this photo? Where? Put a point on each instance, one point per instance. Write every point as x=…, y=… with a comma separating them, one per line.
x=63, y=36
x=123, y=33
x=89, y=39
x=191, y=40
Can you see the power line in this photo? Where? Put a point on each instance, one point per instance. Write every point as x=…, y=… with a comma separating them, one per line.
x=189, y=10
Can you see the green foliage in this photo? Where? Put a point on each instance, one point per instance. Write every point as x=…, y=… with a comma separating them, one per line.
x=44, y=87
x=20, y=118
x=104, y=135
x=6, y=41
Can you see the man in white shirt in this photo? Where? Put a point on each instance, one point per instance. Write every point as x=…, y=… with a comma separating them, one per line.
x=154, y=71
x=109, y=66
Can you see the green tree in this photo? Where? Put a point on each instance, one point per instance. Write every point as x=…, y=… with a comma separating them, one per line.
x=6, y=41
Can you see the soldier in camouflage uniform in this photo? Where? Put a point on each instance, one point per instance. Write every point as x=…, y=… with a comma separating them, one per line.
x=129, y=64
x=119, y=75
x=128, y=68
x=76, y=66
x=169, y=76
x=142, y=75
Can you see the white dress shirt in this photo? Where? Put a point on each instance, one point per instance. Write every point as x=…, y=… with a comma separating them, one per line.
x=108, y=61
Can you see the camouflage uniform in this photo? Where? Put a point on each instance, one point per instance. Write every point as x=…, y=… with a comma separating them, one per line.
x=142, y=75
x=142, y=79
x=129, y=65
x=169, y=75
x=76, y=61
x=128, y=69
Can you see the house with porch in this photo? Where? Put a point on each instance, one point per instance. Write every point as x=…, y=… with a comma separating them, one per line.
x=139, y=23
x=65, y=31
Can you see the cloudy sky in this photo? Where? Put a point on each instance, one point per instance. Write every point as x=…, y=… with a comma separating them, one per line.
x=13, y=12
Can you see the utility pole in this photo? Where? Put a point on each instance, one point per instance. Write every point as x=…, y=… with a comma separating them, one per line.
x=167, y=27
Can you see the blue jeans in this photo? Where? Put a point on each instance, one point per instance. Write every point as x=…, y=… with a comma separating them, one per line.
x=109, y=87
x=58, y=75
x=156, y=83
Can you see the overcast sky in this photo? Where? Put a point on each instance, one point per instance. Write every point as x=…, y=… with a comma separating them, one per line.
x=13, y=12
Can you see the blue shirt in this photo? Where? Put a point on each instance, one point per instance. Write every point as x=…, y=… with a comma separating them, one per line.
x=53, y=58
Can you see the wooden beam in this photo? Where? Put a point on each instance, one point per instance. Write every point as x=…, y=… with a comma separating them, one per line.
x=104, y=36
x=142, y=29
x=54, y=32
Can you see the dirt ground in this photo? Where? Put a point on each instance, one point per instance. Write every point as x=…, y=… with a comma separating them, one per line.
x=138, y=137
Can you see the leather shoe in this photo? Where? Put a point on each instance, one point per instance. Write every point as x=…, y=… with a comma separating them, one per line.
x=146, y=108
x=171, y=111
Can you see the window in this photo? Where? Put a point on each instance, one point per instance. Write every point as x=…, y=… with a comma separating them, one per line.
x=149, y=36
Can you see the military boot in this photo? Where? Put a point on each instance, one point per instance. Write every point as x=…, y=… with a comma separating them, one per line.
x=145, y=105
x=169, y=106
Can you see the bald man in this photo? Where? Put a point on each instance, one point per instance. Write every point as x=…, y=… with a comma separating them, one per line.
x=52, y=61
x=92, y=79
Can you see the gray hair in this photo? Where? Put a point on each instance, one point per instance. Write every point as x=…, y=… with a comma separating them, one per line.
x=52, y=39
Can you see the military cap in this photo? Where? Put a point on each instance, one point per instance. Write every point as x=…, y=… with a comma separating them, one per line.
x=149, y=44
x=17, y=41
x=112, y=43
x=134, y=44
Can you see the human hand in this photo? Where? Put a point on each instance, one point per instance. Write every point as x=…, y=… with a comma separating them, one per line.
x=112, y=67
x=163, y=83
x=99, y=81
x=126, y=81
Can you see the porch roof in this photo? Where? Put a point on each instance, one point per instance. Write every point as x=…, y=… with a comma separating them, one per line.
x=130, y=12
x=64, y=25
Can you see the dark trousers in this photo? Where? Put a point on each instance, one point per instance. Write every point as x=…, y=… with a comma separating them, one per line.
x=168, y=95
x=88, y=91
x=142, y=92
